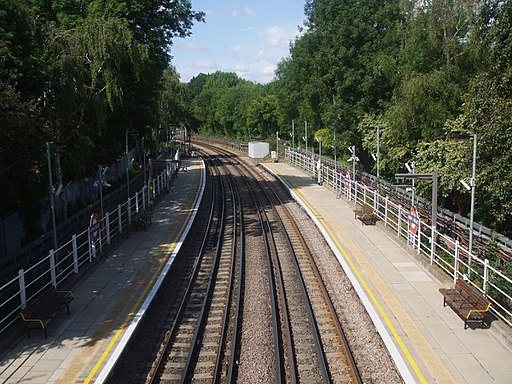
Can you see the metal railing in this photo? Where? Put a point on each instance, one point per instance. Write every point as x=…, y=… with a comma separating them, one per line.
x=439, y=248
x=70, y=258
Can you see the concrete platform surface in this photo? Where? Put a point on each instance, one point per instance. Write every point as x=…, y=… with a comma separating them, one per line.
x=428, y=341
x=109, y=300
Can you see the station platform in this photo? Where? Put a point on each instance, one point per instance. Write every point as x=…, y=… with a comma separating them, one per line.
x=400, y=290
x=108, y=301
x=427, y=340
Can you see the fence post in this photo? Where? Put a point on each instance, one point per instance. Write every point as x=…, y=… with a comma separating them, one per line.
x=355, y=191
x=375, y=200
x=100, y=237
x=120, y=217
x=386, y=212
x=432, y=246
x=75, y=254
x=418, y=236
x=399, y=220
x=129, y=212
x=107, y=217
x=23, y=291
x=456, y=265
x=53, y=275
x=486, y=276
x=137, y=201
x=90, y=245
x=364, y=194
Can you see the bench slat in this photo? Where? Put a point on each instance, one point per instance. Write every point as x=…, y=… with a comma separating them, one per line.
x=466, y=302
x=366, y=214
x=39, y=313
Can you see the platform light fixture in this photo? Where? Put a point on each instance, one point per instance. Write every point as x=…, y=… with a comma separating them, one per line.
x=58, y=145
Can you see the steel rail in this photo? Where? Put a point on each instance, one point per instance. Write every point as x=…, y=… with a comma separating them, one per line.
x=236, y=209
x=201, y=322
x=354, y=371
x=165, y=345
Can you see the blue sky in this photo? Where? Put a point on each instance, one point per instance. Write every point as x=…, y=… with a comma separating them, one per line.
x=245, y=37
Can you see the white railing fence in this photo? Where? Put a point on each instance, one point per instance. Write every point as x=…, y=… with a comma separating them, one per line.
x=445, y=252
x=70, y=258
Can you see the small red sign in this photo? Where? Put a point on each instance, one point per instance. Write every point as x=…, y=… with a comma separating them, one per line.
x=347, y=180
x=94, y=227
x=414, y=220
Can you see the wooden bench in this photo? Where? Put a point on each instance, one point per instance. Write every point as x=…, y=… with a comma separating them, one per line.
x=143, y=219
x=38, y=314
x=365, y=214
x=466, y=301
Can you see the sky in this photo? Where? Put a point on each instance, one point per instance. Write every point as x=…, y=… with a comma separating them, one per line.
x=246, y=37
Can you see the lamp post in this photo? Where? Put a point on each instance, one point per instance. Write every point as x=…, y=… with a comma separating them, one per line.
x=411, y=167
x=472, y=187
x=353, y=158
x=306, y=135
x=128, y=164
x=277, y=144
x=319, y=166
x=376, y=156
x=58, y=146
x=426, y=176
x=293, y=134
x=333, y=146
x=100, y=184
x=51, y=191
x=306, y=140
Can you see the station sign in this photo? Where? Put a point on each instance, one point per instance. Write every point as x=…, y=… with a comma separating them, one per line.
x=414, y=220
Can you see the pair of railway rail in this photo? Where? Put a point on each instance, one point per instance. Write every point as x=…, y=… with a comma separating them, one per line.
x=200, y=316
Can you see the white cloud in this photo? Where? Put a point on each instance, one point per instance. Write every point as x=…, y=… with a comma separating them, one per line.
x=277, y=37
x=205, y=64
x=248, y=29
x=234, y=50
x=268, y=70
x=249, y=11
x=190, y=47
x=241, y=70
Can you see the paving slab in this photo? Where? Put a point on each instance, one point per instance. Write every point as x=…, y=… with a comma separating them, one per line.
x=403, y=294
x=80, y=347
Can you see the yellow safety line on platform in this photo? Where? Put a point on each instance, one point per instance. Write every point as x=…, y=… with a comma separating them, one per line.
x=432, y=361
x=434, y=364
x=136, y=305
x=368, y=290
x=130, y=315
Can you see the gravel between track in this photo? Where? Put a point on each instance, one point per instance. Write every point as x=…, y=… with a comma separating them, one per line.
x=256, y=354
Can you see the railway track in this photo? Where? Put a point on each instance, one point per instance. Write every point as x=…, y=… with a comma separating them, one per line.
x=314, y=345
x=196, y=348
x=199, y=326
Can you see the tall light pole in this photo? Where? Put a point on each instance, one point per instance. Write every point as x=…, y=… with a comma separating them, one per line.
x=277, y=144
x=376, y=156
x=319, y=166
x=471, y=187
x=127, y=164
x=306, y=135
x=353, y=158
x=426, y=176
x=59, y=145
x=101, y=183
x=333, y=146
x=52, y=193
x=411, y=167
x=293, y=134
